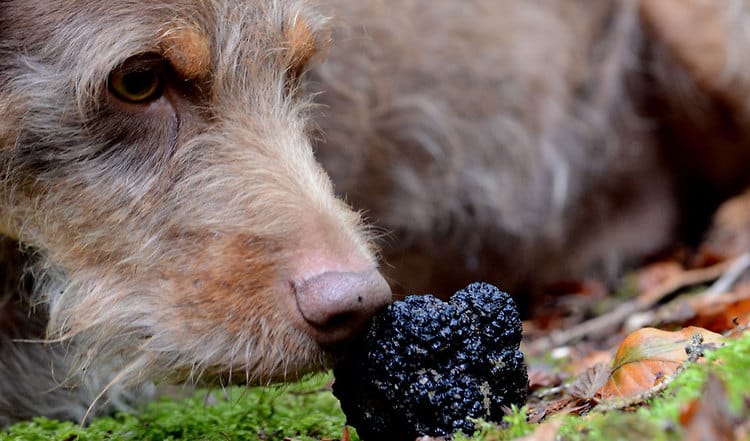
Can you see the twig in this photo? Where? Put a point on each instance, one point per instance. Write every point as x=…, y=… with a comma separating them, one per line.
x=725, y=282
x=613, y=320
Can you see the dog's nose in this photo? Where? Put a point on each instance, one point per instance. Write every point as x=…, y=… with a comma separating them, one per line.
x=338, y=305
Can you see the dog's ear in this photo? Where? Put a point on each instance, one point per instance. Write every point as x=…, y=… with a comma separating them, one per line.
x=707, y=38
x=304, y=41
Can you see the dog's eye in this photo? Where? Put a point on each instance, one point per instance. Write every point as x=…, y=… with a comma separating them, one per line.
x=136, y=86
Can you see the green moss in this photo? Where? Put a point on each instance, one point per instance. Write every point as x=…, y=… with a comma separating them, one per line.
x=658, y=420
x=304, y=411
x=730, y=364
x=308, y=411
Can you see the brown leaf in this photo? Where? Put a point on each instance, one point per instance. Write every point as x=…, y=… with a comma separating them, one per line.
x=730, y=233
x=581, y=363
x=588, y=383
x=718, y=313
x=659, y=280
x=646, y=357
x=708, y=418
x=545, y=432
x=654, y=275
x=564, y=406
x=542, y=376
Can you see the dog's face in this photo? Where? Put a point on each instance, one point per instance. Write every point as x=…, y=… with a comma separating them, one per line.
x=155, y=154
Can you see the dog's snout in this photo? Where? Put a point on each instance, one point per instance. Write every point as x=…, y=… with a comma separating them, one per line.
x=338, y=305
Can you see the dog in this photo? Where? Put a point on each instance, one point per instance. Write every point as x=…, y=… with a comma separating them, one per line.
x=162, y=211
x=184, y=183
x=528, y=143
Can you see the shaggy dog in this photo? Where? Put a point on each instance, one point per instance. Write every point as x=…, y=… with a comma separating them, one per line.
x=173, y=224
x=525, y=142
x=163, y=215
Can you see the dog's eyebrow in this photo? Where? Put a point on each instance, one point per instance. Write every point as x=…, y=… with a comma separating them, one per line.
x=187, y=49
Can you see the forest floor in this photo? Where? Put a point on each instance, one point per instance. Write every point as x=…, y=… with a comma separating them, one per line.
x=664, y=356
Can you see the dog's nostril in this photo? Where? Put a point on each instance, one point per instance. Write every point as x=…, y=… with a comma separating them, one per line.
x=338, y=305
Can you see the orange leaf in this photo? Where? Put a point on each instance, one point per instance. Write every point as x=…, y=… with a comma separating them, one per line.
x=718, y=313
x=656, y=274
x=648, y=356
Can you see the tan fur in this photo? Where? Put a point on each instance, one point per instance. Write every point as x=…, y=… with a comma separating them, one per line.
x=187, y=238
x=188, y=51
x=527, y=142
x=485, y=149
x=302, y=44
x=165, y=240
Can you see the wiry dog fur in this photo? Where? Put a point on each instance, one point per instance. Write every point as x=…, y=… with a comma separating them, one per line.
x=505, y=145
x=532, y=141
x=184, y=239
x=163, y=237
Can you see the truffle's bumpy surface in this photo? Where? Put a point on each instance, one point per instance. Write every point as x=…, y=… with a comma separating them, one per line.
x=426, y=367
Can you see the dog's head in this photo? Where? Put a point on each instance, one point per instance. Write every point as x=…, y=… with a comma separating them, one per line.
x=156, y=155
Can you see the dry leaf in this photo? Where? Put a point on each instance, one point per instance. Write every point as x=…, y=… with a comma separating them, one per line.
x=545, y=432
x=588, y=384
x=580, y=364
x=648, y=356
x=709, y=418
x=719, y=313
x=542, y=376
x=654, y=275
x=730, y=233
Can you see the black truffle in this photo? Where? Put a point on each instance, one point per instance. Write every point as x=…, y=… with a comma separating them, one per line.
x=428, y=367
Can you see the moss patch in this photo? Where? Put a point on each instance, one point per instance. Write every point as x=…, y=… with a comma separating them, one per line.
x=304, y=411
x=659, y=419
x=308, y=411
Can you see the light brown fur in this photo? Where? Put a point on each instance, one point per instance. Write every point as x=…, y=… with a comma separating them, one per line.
x=188, y=51
x=194, y=237
x=527, y=142
x=181, y=238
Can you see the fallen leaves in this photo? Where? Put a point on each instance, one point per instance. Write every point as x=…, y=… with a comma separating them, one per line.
x=604, y=352
x=644, y=361
x=720, y=313
x=589, y=383
x=659, y=281
x=649, y=356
